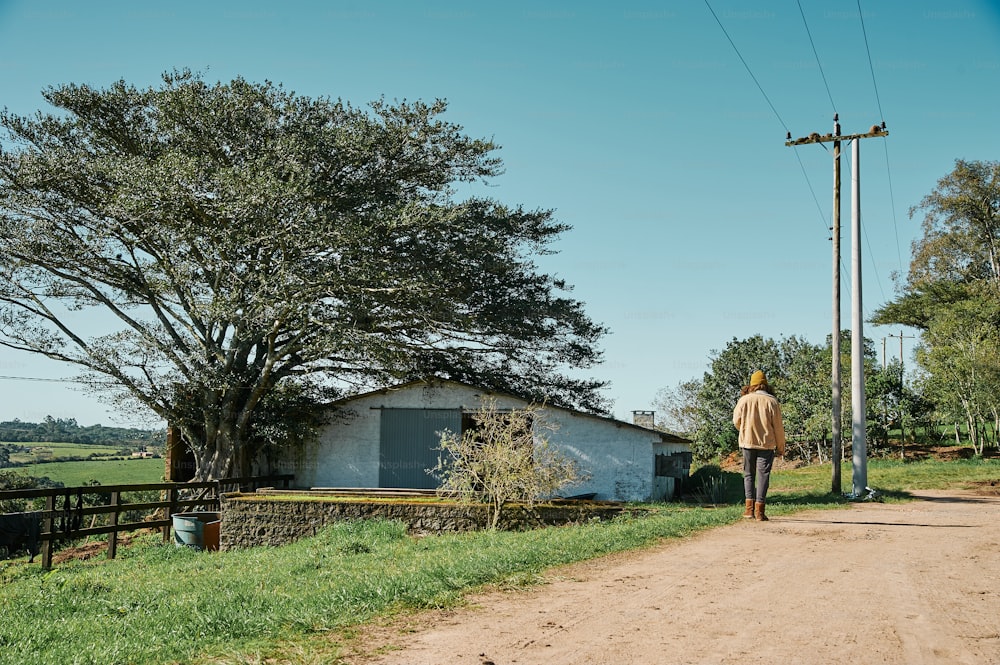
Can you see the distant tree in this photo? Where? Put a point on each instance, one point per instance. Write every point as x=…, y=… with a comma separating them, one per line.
x=805, y=398
x=797, y=370
x=679, y=407
x=505, y=458
x=16, y=480
x=68, y=431
x=729, y=371
x=894, y=403
x=240, y=238
x=961, y=353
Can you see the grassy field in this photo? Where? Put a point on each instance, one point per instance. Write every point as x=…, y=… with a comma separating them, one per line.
x=106, y=472
x=893, y=476
x=55, y=451
x=161, y=604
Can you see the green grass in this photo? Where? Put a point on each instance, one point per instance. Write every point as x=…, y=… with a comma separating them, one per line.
x=107, y=472
x=161, y=604
x=892, y=475
x=54, y=451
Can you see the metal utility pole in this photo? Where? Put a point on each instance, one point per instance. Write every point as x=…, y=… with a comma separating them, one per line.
x=859, y=442
x=836, y=407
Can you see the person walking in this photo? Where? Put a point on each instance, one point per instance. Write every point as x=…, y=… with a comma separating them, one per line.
x=757, y=416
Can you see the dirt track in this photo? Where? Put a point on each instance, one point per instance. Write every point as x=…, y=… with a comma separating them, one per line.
x=872, y=583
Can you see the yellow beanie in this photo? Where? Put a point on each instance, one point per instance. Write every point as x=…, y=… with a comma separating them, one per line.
x=757, y=378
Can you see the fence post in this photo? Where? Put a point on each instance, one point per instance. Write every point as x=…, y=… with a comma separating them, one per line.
x=113, y=536
x=67, y=516
x=50, y=507
x=171, y=509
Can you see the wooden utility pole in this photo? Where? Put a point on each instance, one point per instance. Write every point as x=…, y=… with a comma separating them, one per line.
x=836, y=408
x=901, y=336
x=835, y=436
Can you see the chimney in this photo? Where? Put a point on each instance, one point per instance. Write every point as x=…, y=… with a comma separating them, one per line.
x=644, y=418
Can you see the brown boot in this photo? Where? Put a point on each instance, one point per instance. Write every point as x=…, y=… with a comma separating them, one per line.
x=758, y=511
x=748, y=511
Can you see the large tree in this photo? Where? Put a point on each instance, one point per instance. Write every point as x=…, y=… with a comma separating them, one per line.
x=957, y=257
x=952, y=294
x=238, y=237
x=806, y=397
x=679, y=407
x=961, y=227
x=730, y=370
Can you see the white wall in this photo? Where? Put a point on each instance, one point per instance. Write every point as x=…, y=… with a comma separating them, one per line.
x=619, y=458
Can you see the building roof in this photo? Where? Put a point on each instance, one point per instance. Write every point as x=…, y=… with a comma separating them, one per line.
x=665, y=437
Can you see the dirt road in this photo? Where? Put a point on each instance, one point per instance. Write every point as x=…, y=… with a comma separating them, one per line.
x=872, y=583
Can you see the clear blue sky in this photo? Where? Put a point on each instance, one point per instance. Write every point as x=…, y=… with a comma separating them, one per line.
x=636, y=122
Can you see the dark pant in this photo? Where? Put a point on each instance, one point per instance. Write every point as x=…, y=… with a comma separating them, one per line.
x=756, y=472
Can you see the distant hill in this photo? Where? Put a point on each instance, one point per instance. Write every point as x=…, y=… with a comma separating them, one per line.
x=66, y=430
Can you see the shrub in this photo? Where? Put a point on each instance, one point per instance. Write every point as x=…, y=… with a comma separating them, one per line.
x=506, y=457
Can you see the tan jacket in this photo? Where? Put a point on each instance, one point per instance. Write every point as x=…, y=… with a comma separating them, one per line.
x=758, y=418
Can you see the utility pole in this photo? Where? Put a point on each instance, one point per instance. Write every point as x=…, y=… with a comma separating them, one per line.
x=836, y=453
x=859, y=441
x=860, y=470
x=901, y=336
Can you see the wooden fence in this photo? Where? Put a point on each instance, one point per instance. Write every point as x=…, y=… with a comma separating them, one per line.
x=65, y=507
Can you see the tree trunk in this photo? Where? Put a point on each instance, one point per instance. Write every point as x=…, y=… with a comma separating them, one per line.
x=996, y=426
x=974, y=435
x=902, y=437
x=214, y=454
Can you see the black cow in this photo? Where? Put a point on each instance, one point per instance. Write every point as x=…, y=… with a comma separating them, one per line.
x=19, y=531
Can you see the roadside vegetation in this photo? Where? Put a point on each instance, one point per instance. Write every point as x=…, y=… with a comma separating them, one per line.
x=298, y=603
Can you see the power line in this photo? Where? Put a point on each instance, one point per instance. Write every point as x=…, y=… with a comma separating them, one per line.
x=802, y=167
x=881, y=116
x=892, y=206
x=773, y=109
x=871, y=252
x=816, y=54
x=819, y=208
x=35, y=378
x=740, y=56
x=878, y=280
x=885, y=145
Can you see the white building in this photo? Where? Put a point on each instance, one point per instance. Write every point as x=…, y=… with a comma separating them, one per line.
x=388, y=438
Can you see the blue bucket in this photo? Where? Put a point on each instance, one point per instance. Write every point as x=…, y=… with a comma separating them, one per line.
x=197, y=530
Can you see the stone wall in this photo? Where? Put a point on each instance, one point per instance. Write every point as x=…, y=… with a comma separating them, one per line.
x=273, y=518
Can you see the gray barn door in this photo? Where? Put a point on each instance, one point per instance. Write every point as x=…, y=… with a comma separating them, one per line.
x=407, y=442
